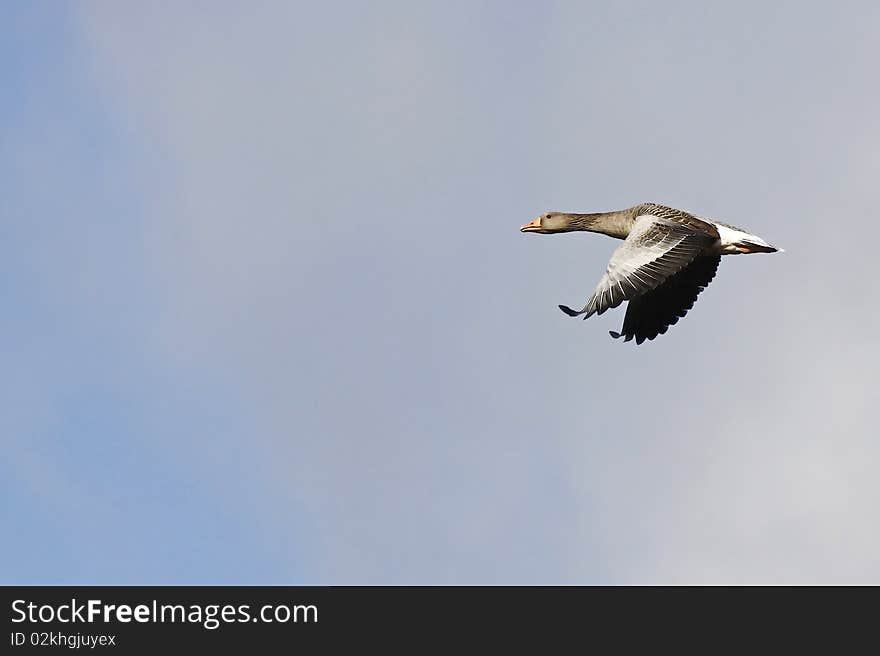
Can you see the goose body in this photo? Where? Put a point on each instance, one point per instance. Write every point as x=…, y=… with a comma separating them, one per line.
x=667, y=258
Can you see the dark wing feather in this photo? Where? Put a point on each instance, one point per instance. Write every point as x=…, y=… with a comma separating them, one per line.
x=652, y=313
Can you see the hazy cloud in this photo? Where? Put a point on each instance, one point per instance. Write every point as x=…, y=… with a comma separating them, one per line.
x=360, y=355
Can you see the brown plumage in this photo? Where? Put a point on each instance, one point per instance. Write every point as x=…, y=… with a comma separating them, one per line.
x=667, y=258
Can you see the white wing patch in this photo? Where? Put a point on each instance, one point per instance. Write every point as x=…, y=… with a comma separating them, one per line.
x=655, y=249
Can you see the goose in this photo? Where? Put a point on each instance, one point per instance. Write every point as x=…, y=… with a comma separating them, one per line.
x=667, y=258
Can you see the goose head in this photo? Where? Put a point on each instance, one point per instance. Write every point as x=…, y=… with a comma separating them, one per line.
x=552, y=222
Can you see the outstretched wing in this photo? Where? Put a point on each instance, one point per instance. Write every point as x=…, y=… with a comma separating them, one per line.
x=655, y=249
x=652, y=313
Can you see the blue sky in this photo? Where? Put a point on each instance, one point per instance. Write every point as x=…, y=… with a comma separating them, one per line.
x=269, y=318
x=93, y=491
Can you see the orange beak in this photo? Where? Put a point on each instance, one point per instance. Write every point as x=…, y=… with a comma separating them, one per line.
x=534, y=226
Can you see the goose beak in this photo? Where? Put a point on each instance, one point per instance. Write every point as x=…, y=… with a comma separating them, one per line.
x=534, y=226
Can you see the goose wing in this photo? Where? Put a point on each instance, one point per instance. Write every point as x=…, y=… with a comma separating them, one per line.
x=656, y=248
x=653, y=312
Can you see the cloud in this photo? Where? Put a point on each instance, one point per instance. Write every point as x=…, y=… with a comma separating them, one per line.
x=333, y=236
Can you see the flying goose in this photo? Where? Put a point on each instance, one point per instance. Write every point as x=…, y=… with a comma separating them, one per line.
x=667, y=258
